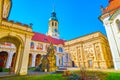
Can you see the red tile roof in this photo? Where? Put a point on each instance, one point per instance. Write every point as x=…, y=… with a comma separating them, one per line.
x=44, y=38
x=112, y=7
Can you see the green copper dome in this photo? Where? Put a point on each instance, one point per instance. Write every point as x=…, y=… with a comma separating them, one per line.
x=53, y=17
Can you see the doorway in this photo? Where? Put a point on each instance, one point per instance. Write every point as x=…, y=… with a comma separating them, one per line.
x=90, y=64
x=73, y=64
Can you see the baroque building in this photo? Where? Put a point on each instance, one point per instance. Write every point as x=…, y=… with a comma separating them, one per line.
x=21, y=48
x=18, y=34
x=90, y=51
x=111, y=20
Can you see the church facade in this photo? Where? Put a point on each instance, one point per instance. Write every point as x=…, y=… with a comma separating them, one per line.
x=21, y=48
x=111, y=20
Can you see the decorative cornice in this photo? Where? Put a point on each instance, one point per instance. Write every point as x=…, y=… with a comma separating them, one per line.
x=7, y=49
x=102, y=17
x=114, y=14
x=84, y=39
x=14, y=27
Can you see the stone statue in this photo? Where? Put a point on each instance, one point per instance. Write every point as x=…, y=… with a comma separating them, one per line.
x=48, y=61
x=6, y=8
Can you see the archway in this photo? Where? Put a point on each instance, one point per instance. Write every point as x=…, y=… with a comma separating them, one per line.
x=38, y=58
x=18, y=44
x=7, y=50
x=3, y=59
x=30, y=60
x=90, y=63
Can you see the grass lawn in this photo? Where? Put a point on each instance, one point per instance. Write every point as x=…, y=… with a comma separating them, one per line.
x=7, y=69
x=102, y=75
x=113, y=76
x=41, y=77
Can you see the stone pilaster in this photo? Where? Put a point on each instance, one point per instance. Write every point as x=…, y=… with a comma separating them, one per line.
x=103, y=54
x=1, y=10
x=44, y=46
x=102, y=51
x=95, y=58
x=113, y=44
x=82, y=56
x=57, y=60
x=35, y=46
x=33, y=60
x=57, y=49
x=63, y=60
x=96, y=65
x=9, y=59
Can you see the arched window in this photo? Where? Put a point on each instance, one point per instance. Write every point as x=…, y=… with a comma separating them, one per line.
x=56, y=24
x=118, y=24
x=52, y=23
x=60, y=49
x=32, y=45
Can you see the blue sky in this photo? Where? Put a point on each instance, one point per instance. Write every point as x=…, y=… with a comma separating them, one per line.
x=76, y=17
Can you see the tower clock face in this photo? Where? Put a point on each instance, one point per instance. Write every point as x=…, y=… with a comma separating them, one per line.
x=55, y=30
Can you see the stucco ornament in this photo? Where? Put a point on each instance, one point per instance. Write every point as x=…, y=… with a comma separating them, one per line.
x=6, y=8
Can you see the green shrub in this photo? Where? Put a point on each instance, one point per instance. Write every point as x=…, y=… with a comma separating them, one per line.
x=74, y=76
x=32, y=68
x=1, y=69
x=6, y=69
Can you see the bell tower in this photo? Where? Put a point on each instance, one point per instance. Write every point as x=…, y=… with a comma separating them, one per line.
x=53, y=26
